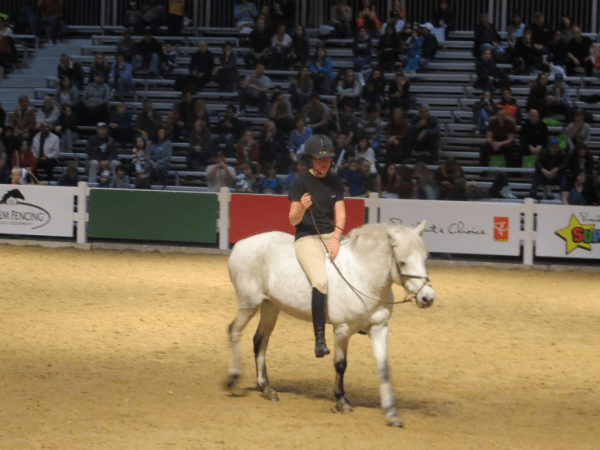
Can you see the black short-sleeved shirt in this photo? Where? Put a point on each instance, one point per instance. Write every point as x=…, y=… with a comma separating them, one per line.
x=325, y=192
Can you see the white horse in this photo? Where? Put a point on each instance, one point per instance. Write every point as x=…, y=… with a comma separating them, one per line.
x=267, y=275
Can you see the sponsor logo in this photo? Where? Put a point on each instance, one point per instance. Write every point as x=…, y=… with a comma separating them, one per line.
x=501, y=226
x=578, y=235
x=16, y=212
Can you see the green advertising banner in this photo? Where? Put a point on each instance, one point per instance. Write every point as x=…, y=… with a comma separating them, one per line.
x=155, y=216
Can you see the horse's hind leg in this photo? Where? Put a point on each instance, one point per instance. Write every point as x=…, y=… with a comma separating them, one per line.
x=235, y=330
x=268, y=317
x=341, y=337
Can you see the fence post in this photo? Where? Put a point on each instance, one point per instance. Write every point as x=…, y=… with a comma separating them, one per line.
x=81, y=216
x=223, y=221
x=528, y=231
x=372, y=205
x=594, y=24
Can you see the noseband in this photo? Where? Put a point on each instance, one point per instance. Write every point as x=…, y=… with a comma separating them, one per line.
x=410, y=295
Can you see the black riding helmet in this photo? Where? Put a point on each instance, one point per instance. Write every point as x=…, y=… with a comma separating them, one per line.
x=319, y=146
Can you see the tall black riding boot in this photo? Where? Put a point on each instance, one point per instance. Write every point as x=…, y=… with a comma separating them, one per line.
x=319, y=307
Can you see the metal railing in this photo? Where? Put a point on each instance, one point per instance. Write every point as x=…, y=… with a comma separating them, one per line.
x=312, y=13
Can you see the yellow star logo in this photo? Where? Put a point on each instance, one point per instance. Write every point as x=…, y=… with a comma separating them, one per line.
x=575, y=239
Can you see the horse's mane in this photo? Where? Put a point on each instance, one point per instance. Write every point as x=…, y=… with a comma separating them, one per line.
x=368, y=237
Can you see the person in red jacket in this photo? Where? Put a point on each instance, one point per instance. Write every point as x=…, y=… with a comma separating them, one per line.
x=24, y=158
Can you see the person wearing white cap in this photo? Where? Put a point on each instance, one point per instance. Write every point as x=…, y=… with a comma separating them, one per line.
x=102, y=152
x=430, y=45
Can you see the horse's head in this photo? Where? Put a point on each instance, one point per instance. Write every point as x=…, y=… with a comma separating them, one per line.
x=410, y=256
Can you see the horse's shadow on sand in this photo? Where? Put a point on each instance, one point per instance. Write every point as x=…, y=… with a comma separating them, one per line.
x=360, y=398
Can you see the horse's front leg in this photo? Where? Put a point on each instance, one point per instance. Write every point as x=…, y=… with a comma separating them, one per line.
x=341, y=337
x=379, y=337
x=268, y=318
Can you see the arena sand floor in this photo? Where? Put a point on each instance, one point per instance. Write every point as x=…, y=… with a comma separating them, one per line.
x=127, y=350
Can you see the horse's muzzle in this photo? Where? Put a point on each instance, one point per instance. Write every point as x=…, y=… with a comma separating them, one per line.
x=425, y=297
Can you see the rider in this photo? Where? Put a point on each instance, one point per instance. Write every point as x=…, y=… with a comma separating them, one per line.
x=316, y=229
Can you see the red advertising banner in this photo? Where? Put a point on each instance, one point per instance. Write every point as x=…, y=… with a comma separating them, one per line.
x=251, y=214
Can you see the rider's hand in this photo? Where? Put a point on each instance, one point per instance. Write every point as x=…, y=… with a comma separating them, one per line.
x=333, y=247
x=306, y=201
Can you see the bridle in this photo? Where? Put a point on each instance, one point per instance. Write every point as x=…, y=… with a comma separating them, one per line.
x=426, y=280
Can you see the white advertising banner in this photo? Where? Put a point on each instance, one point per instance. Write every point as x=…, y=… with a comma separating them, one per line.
x=36, y=210
x=568, y=231
x=460, y=227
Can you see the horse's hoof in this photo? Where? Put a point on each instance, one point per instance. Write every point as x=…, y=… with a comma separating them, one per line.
x=230, y=381
x=269, y=393
x=343, y=406
x=396, y=423
x=393, y=419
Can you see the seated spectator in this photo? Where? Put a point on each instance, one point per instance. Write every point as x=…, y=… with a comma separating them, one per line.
x=142, y=181
x=260, y=44
x=168, y=62
x=301, y=166
x=200, y=111
x=199, y=150
x=99, y=65
x=72, y=69
x=362, y=54
x=534, y=135
x=228, y=130
x=219, y=174
x=322, y=71
x=48, y=112
x=148, y=120
x=390, y=182
x=500, y=140
x=525, y=56
x=487, y=38
x=369, y=180
x=8, y=49
x=578, y=131
x=541, y=32
x=443, y=17
x=248, y=151
x=537, y=95
x=550, y=169
x=341, y=19
x=349, y=89
x=316, y=115
x=10, y=142
x=343, y=150
x=372, y=127
x=301, y=88
x=399, y=92
x=102, y=152
x=395, y=132
x=387, y=48
x=352, y=178
x=489, y=76
x=482, y=111
x=104, y=180
x=557, y=50
x=406, y=37
x=425, y=186
x=374, y=90
x=367, y=18
x=272, y=147
x=46, y=148
x=280, y=112
x=429, y=47
x=158, y=157
x=344, y=122
x=245, y=181
x=395, y=22
x=121, y=179
x=300, y=49
x=298, y=136
x=284, y=11
x=95, y=100
x=22, y=119
x=138, y=156
x=52, y=13
x=153, y=15
x=254, y=90
x=566, y=27
x=413, y=53
x=270, y=184
x=583, y=192
x=424, y=135
x=66, y=93
x=184, y=117
x=281, y=43
x=245, y=13
x=580, y=160
x=595, y=58
x=120, y=125
x=226, y=73
x=450, y=179
x=148, y=54
x=70, y=177
x=200, y=70
x=23, y=158
x=120, y=77
x=510, y=106
x=67, y=128
x=127, y=46
x=578, y=54
x=558, y=97
x=514, y=30
x=364, y=151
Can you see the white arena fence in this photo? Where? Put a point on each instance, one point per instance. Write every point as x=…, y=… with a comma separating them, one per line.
x=521, y=230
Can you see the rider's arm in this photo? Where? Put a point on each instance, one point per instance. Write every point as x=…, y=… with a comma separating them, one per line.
x=340, y=218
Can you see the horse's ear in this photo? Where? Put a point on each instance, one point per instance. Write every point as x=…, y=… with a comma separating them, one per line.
x=420, y=228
